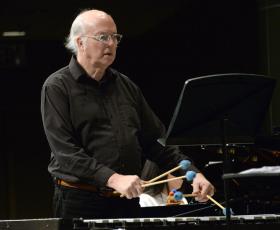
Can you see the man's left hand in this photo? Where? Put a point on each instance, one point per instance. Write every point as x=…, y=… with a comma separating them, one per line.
x=202, y=187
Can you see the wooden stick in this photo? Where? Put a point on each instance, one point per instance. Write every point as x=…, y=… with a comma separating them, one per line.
x=162, y=181
x=189, y=195
x=215, y=202
x=164, y=174
x=184, y=164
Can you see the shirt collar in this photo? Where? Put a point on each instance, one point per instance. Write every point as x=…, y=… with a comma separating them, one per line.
x=78, y=72
x=76, y=69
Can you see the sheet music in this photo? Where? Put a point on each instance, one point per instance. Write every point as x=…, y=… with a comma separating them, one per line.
x=264, y=169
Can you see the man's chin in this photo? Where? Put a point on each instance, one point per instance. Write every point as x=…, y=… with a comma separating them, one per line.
x=108, y=60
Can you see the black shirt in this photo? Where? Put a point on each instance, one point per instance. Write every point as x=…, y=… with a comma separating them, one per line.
x=95, y=129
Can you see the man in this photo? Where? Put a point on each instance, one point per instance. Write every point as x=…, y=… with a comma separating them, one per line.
x=100, y=128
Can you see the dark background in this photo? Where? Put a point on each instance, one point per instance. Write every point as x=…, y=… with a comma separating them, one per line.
x=164, y=43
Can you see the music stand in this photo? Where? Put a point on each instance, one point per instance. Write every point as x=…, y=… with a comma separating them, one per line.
x=221, y=110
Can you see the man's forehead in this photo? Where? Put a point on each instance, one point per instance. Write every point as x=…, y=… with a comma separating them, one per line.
x=95, y=15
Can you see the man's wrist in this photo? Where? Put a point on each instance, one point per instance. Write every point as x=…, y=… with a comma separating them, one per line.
x=111, y=180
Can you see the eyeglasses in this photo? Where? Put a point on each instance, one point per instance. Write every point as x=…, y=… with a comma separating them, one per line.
x=106, y=37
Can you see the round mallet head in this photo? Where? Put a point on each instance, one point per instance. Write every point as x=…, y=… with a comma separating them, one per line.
x=190, y=175
x=178, y=196
x=171, y=193
x=185, y=164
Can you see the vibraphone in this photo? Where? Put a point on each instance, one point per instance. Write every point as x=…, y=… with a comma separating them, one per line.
x=259, y=222
x=242, y=222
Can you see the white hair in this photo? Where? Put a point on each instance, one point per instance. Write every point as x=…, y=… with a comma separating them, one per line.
x=77, y=29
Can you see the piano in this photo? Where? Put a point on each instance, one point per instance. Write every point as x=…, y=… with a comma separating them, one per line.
x=254, y=195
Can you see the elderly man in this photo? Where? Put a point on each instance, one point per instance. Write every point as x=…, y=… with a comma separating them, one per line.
x=100, y=128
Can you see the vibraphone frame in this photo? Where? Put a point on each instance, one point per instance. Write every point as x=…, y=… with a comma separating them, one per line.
x=245, y=222
x=242, y=222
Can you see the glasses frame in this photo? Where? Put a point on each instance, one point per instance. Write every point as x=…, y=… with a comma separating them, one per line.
x=114, y=37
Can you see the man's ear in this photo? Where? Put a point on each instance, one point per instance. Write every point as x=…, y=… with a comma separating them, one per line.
x=80, y=43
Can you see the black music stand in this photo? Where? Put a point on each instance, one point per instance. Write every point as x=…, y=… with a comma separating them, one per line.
x=221, y=109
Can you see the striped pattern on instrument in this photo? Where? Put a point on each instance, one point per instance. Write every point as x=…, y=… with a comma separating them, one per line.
x=188, y=220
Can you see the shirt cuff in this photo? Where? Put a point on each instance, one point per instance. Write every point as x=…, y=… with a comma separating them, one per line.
x=102, y=176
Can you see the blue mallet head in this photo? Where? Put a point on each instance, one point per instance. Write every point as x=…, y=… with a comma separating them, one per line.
x=173, y=190
x=190, y=175
x=178, y=196
x=185, y=164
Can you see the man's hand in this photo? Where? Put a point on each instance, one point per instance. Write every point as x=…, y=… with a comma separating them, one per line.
x=127, y=185
x=202, y=187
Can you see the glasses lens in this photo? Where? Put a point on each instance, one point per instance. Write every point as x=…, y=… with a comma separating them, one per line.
x=117, y=37
x=104, y=37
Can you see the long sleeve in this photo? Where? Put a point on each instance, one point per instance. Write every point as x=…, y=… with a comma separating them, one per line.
x=70, y=156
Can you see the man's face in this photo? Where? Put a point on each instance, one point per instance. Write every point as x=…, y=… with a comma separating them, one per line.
x=94, y=52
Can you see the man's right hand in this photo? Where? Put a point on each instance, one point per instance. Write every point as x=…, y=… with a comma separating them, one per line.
x=127, y=185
